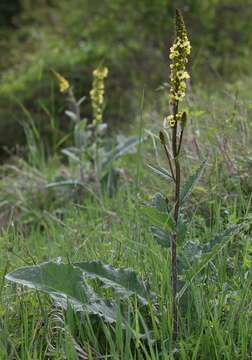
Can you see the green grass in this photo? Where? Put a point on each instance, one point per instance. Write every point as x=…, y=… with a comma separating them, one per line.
x=216, y=310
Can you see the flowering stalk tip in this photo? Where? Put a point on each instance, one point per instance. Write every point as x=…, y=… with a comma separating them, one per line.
x=179, y=54
x=63, y=83
x=97, y=93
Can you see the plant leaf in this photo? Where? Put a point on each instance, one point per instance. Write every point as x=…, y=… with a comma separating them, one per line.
x=71, y=115
x=216, y=245
x=126, y=146
x=159, y=202
x=123, y=281
x=80, y=101
x=69, y=183
x=181, y=230
x=158, y=218
x=190, y=182
x=162, y=237
x=71, y=155
x=161, y=172
x=65, y=284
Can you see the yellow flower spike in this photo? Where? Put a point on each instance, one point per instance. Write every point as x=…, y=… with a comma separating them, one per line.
x=179, y=53
x=97, y=93
x=63, y=83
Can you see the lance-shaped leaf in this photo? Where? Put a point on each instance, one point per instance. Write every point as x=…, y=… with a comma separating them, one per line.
x=181, y=230
x=162, y=237
x=160, y=171
x=123, y=281
x=158, y=218
x=159, y=202
x=214, y=248
x=67, y=183
x=65, y=284
x=190, y=182
x=126, y=146
x=71, y=154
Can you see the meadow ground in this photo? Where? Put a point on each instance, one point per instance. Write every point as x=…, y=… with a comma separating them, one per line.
x=216, y=308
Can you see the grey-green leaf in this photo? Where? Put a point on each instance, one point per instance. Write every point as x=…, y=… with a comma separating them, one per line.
x=71, y=155
x=160, y=171
x=123, y=281
x=158, y=218
x=181, y=230
x=190, y=182
x=65, y=284
x=216, y=245
x=159, y=202
x=71, y=115
x=124, y=147
x=68, y=183
x=162, y=237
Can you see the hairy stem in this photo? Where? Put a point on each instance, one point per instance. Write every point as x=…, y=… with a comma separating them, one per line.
x=176, y=216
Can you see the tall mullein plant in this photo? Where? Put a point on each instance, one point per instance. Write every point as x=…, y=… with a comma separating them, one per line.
x=175, y=122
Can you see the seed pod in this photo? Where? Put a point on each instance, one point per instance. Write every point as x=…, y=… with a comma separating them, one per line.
x=162, y=137
x=183, y=120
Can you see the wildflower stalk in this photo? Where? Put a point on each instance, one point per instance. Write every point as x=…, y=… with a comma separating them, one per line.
x=176, y=216
x=179, y=53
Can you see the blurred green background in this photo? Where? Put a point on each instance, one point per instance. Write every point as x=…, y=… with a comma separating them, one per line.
x=131, y=37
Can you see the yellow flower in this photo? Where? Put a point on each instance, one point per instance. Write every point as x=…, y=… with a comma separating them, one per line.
x=100, y=72
x=170, y=120
x=179, y=53
x=63, y=83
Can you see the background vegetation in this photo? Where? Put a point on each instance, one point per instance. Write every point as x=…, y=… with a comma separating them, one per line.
x=132, y=38
x=41, y=219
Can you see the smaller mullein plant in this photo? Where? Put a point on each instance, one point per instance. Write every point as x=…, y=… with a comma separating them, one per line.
x=92, y=151
x=88, y=135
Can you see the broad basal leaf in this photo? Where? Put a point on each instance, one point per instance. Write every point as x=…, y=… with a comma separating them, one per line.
x=123, y=281
x=66, y=285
